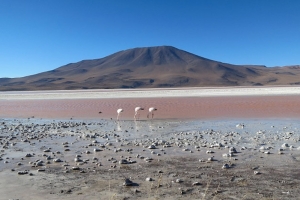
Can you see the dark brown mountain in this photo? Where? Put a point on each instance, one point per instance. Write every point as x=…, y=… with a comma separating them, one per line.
x=152, y=67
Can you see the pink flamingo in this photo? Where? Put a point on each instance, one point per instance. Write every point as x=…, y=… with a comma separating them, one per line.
x=137, y=109
x=119, y=111
x=151, y=110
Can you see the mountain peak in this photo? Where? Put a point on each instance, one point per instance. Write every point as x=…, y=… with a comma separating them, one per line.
x=155, y=48
x=156, y=55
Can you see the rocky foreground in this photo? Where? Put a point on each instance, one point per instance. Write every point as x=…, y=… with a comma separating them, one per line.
x=157, y=159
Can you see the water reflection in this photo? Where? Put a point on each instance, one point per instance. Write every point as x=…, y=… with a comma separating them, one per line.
x=151, y=125
x=138, y=125
x=119, y=127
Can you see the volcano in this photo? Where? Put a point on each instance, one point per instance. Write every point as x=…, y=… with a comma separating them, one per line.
x=152, y=67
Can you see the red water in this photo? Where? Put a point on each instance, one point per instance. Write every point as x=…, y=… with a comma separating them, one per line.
x=182, y=108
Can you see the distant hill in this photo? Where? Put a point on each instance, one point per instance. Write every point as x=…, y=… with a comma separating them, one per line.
x=152, y=67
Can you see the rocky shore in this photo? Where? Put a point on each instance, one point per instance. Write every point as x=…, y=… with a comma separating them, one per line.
x=149, y=159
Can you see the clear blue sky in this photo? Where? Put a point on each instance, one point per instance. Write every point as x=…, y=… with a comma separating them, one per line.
x=41, y=35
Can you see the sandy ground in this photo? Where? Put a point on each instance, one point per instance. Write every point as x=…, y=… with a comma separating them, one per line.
x=242, y=146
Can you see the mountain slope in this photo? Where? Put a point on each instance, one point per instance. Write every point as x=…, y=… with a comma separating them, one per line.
x=149, y=67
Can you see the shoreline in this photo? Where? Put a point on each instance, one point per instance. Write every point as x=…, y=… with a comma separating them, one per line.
x=151, y=93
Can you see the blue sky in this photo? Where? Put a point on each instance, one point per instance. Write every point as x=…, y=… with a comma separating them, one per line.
x=41, y=35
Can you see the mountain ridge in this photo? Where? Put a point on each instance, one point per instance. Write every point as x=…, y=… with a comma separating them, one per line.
x=152, y=67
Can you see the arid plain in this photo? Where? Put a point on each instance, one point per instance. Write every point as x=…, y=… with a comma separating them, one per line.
x=203, y=143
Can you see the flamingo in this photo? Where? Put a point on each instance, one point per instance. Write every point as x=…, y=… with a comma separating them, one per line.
x=137, y=109
x=151, y=110
x=119, y=112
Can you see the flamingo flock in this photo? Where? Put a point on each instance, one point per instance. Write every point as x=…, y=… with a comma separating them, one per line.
x=137, y=112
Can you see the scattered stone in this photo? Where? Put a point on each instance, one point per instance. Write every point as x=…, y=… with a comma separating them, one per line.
x=149, y=179
x=152, y=147
x=227, y=155
x=77, y=160
x=97, y=150
x=225, y=166
x=123, y=161
x=75, y=168
x=127, y=182
x=57, y=160
x=22, y=172
x=232, y=150
x=196, y=183
x=284, y=145
x=256, y=173
x=210, y=158
x=178, y=180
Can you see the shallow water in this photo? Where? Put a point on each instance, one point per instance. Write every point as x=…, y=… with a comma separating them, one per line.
x=254, y=133
x=279, y=106
x=183, y=135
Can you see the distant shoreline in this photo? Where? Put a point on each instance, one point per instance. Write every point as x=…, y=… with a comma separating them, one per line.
x=148, y=93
